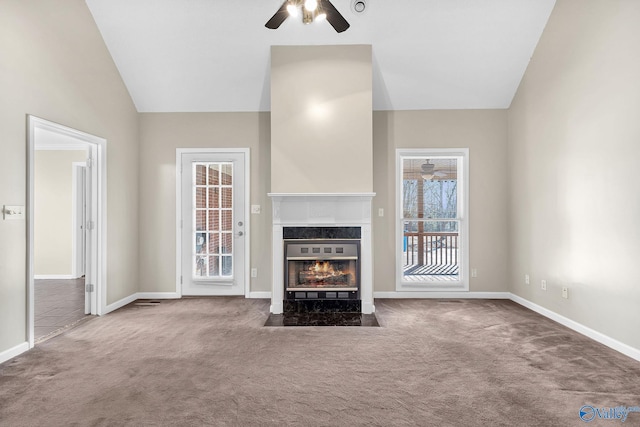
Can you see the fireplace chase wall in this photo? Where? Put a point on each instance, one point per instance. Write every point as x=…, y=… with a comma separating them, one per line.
x=337, y=227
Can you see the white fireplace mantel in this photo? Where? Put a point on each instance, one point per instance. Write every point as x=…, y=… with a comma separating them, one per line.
x=322, y=210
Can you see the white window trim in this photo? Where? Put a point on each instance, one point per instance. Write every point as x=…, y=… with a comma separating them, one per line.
x=462, y=284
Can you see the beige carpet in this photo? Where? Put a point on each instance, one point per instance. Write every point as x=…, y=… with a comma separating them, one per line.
x=211, y=362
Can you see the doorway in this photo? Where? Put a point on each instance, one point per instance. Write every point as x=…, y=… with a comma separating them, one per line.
x=212, y=229
x=59, y=294
x=65, y=229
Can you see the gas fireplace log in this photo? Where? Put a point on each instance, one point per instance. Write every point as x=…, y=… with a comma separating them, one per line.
x=310, y=277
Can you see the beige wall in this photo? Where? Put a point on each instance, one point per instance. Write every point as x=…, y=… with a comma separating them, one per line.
x=55, y=65
x=53, y=240
x=160, y=135
x=574, y=145
x=484, y=132
x=321, y=104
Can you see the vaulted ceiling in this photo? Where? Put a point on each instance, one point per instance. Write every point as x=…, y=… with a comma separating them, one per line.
x=213, y=55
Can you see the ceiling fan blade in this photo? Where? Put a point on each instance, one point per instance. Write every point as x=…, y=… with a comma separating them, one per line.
x=334, y=17
x=279, y=17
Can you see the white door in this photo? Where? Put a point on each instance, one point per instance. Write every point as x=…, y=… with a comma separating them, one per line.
x=79, y=220
x=82, y=198
x=212, y=235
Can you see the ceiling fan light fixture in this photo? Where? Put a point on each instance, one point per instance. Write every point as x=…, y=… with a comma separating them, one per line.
x=310, y=5
x=307, y=17
x=312, y=10
x=319, y=14
x=292, y=8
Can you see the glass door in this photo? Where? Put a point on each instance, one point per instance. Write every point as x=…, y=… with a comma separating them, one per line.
x=213, y=224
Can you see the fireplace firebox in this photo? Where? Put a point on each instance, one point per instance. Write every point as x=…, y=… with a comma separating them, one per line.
x=322, y=269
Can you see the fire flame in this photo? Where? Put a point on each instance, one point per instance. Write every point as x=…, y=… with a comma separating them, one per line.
x=323, y=267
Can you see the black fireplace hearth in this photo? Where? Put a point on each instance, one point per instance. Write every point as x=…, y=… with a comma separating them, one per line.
x=322, y=319
x=322, y=306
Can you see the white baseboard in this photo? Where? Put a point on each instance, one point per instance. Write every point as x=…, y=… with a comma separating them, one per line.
x=157, y=295
x=119, y=304
x=443, y=295
x=54, y=277
x=259, y=295
x=623, y=348
x=164, y=295
x=13, y=352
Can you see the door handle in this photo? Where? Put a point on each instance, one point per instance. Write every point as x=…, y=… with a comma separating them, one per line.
x=240, y=234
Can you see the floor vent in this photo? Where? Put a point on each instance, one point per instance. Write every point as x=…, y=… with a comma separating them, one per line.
x=147, y=302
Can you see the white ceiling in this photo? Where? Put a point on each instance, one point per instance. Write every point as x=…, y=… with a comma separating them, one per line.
x=213, y=55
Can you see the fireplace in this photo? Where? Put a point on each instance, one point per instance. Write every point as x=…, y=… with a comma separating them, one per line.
x=322, y=269
x=322, y=253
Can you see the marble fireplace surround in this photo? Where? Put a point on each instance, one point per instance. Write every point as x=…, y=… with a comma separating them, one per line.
x=322, y=210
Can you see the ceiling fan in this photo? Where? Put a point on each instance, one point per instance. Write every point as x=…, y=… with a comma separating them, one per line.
x=428, y=172
x=312, y=10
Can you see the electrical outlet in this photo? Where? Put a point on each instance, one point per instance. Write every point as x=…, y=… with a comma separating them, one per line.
x=565, y=292
x=543, y=285
x=526, y=279
x=474, y=272
x=255, y=209
x=254, y=272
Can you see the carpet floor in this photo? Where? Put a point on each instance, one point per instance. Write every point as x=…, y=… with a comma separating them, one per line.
x=211, y=362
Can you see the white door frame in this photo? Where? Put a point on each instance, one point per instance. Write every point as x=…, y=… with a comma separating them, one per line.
x=78, y=220
x=247, y=197
x=98, y=147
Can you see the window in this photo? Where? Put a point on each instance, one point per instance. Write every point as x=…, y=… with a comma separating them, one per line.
x=213, y=219
x=432, y=219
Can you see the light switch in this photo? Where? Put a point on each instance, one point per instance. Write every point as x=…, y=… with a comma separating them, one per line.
x=13, y=212
x=380, y=211
x=255, y=209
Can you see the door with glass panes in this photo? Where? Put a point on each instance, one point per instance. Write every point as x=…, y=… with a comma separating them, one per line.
x=212, y=223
